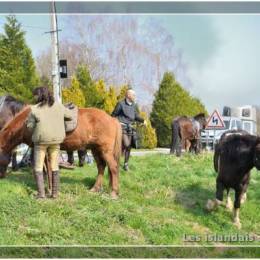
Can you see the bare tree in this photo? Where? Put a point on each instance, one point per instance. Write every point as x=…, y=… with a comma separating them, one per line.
x=121, y=50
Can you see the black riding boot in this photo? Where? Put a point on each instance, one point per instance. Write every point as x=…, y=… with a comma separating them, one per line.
x=55, y=184
x=40, y=185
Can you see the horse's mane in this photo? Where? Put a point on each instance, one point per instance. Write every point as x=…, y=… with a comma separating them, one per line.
x=19, y=116
x=9, y=98
x=14, y=104
x=198, y=116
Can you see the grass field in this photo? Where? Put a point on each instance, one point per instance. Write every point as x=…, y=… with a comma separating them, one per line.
x=162, y=198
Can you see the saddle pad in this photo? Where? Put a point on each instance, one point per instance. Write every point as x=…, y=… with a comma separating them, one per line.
x=72, y=124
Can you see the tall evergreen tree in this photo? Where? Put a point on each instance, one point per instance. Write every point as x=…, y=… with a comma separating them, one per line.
x=122, y=92
x=110, y=100
x=100, y=94
x=74, y=94
x=17, y=68
x=87, y=86
x=146, y=134
x=171, y=100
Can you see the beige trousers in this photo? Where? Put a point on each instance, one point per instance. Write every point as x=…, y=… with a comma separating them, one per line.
x=40, y=150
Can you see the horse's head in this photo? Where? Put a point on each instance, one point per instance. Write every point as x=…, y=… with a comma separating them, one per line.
x=257, y=155
x=201, y=118
x=5, y=159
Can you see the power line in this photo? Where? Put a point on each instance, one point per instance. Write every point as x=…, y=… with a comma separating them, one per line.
x=28, y=26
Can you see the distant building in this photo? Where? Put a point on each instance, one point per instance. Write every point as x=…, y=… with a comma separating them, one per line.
x=247, y=114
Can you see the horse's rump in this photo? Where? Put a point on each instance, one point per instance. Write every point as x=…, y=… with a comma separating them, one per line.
x=187, y=131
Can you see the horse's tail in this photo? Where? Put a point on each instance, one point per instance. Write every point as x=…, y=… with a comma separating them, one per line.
x=175, y=136
x=216, y=157
x=118, y=143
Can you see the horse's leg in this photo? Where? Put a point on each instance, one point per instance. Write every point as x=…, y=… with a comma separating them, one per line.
x=178, y=145
x=173, y=143
x=82, y=156
x=198, y=146
x=187, y=145
x=113, y=167
x=32, y=157
x=229, y=204
x=70, y=157
x=238, y=196
x=175, y=138
x=243, y=198
x=244, y=195
x=101, y=165
x=14, y=161
x=213, y=204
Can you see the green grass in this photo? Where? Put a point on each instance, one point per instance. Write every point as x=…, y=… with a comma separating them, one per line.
x=161, y=199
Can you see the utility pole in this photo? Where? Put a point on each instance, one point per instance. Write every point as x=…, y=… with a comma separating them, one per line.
x=55, y=54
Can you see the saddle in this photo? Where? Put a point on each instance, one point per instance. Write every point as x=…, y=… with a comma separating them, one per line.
x=71, y=125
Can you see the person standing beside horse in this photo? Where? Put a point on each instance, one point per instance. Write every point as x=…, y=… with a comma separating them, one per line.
x=127, y=113
x=46, y=121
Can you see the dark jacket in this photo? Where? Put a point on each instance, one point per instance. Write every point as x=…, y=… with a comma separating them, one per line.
x=127, y=113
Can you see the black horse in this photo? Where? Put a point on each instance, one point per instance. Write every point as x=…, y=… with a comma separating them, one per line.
x=221, y=140
x=9, y=107
x=81, y=155
x=235, y=156
x=186, y=133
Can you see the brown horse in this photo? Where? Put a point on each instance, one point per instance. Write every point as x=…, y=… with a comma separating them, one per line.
x=96, y=130
x=186, y=133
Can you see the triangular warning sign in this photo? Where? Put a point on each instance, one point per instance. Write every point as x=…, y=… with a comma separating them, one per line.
x=215, y=121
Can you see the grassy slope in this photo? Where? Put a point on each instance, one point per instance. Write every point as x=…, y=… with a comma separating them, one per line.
x=161, y=199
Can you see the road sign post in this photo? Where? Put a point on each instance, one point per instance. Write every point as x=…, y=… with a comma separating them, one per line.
x=214, y=122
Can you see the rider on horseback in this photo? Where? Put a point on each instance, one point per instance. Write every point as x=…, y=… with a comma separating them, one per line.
x=127, y=113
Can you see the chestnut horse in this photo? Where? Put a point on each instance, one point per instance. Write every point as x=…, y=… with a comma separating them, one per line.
x=186, y=133
x=9, y=107
x=96, y=130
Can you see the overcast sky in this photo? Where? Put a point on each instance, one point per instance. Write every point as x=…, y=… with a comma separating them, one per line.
x=221, y=52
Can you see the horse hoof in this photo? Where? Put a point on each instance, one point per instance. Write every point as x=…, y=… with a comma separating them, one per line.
x=95, y=189
x=39, y=197
x=243, y=200
x=229, y=205
x=210, y=205
x=237, y=224
x=114, y=195
x=126, y=167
